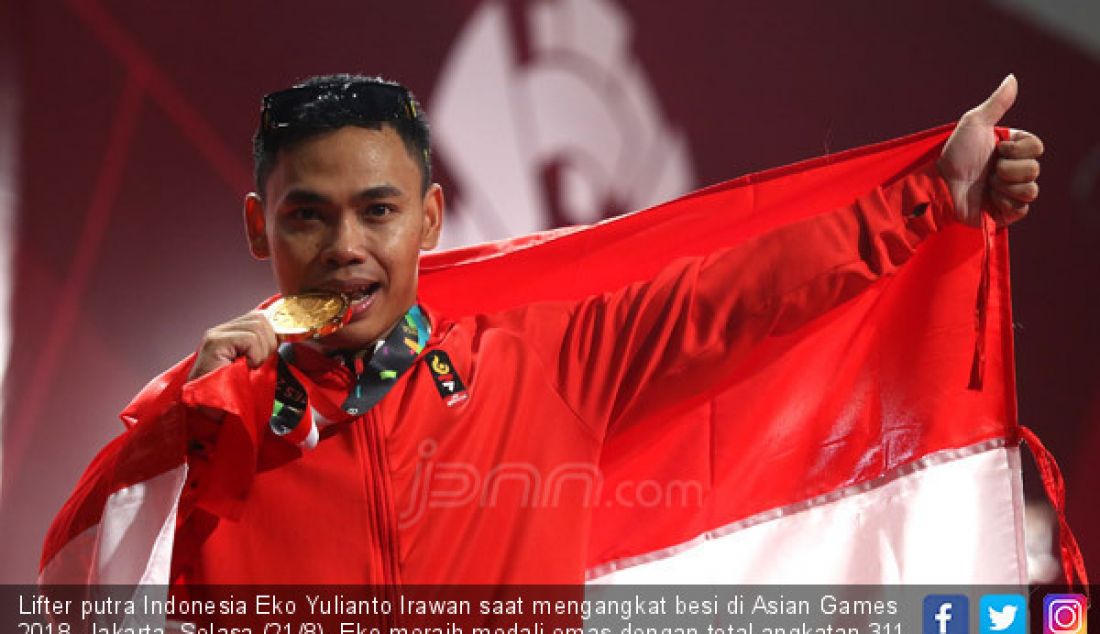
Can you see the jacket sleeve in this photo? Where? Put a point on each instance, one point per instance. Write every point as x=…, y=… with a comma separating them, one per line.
x=651, y=344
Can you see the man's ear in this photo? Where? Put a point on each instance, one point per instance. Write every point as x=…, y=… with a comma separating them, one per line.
x=433, y=217
x=255, y=225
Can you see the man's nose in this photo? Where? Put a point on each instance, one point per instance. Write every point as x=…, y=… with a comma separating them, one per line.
x=347, y=244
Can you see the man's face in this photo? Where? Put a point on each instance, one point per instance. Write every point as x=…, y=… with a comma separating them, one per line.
x=343, y=212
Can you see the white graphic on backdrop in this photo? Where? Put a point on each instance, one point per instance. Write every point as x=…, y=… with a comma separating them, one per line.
x=9, y=157
x=1076, y=22
x=562, y=137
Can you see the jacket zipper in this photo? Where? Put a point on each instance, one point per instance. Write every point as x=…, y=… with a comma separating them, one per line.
x=384, y=515
x=379, y=496
x=383, y=512
x=387, y=529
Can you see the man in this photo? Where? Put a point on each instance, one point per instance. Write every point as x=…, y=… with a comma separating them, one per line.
x=305, y=461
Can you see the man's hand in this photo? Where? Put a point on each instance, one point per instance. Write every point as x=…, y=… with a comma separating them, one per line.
x=249, y=335
x=977, y=167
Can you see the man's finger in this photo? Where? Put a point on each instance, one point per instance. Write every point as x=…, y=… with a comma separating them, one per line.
x=265, y=330
x=250, y=320
x=992, y=109
x=1017, y=170
x=254, y=346
x=1007, y=210
x=1022, y=192
x=1015, y=134
x=1012, y=217
x=1029, y=146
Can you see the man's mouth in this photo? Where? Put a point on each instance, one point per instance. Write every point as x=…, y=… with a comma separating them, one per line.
x=361, y=298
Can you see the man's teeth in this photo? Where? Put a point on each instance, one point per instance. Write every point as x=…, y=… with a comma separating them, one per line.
x=362, y=293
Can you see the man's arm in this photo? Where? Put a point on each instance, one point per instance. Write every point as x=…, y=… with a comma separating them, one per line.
x=635, y=351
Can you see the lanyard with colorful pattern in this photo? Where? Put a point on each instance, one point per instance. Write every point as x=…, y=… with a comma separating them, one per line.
x=291, y=417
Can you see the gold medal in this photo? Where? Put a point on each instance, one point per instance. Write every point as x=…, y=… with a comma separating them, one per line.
x=309, y=315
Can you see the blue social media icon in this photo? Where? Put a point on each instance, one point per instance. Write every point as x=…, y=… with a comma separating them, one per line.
x=1002, y=614
x=946, y=614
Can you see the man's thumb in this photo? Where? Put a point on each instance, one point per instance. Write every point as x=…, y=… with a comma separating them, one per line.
x=992, y=109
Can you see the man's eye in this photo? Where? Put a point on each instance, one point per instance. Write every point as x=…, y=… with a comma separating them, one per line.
x=379, y=211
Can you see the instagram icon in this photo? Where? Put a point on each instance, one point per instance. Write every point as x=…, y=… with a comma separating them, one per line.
x=1065, y=614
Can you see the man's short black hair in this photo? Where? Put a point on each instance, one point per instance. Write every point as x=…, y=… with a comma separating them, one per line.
x=326, y=108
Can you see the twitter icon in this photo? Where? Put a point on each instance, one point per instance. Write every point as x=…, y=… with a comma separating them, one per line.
x=1003, y=614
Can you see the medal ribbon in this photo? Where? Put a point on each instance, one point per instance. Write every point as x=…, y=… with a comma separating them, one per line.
x=291, y=417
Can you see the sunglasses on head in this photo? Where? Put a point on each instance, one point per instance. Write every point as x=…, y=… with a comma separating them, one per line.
x=370, y=100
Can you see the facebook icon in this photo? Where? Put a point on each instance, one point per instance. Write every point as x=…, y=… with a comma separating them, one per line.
x=946, y=614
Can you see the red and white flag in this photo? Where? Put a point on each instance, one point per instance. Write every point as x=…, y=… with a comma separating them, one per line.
x=877, y=443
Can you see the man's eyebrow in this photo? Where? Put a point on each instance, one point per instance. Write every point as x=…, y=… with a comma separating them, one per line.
x=310, y=197
x=303, y=197
x=380, y=191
